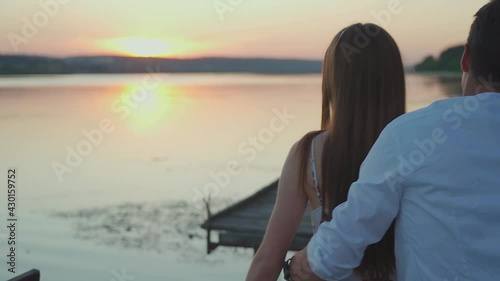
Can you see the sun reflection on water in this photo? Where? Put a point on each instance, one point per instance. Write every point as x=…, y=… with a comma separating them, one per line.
x=147, y=109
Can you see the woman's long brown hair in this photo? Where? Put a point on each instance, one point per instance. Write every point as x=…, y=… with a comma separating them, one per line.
x=363, y=90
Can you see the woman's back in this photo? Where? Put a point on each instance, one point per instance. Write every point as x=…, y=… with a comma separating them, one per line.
x=313, y=190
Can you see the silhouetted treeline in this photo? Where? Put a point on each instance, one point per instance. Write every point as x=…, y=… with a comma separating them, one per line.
x=449, y=60
x=113, y=64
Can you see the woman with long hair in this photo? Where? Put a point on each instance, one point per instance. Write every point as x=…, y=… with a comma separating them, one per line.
x=363, y=90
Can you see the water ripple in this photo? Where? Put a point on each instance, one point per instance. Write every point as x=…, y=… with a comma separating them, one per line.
x=151, y=227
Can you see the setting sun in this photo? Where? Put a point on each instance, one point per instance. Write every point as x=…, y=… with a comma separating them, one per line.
x=139, y=47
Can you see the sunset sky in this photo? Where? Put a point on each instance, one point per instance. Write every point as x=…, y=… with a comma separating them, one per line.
x=233, y=28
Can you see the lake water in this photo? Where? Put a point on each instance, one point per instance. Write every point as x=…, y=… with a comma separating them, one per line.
x=111, y=169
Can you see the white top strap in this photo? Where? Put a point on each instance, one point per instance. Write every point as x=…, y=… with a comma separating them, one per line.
x=315, y=173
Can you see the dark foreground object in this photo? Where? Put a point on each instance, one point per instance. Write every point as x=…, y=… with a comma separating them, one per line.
x=32, y=275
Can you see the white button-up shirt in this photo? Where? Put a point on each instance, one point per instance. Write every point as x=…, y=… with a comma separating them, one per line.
x=436, y=171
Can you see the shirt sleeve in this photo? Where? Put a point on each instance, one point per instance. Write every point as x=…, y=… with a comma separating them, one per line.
x=373, y=202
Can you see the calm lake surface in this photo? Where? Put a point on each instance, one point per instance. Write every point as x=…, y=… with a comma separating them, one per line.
x=111, y=168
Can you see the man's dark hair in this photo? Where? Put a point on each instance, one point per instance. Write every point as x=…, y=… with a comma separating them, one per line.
x=484, y=42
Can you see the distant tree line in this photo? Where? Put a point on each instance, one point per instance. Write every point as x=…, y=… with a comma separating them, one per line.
x=110, y=64
x=448, y=61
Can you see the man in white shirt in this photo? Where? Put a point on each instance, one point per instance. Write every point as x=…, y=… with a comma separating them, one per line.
x=436, y=172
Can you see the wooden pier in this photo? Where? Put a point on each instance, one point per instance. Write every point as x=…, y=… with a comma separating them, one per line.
x=244, y=223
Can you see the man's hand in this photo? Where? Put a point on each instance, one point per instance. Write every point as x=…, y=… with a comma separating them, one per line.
x=300, y=269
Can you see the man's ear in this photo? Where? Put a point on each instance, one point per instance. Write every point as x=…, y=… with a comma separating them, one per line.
x=465, y=62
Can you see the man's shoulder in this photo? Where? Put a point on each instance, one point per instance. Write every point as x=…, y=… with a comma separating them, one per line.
x=432, y=115
x=442, y=111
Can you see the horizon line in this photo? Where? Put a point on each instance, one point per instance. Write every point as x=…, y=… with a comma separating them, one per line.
x=155, y=57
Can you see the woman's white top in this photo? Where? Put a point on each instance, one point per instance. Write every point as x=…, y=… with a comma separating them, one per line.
x=316, y=214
